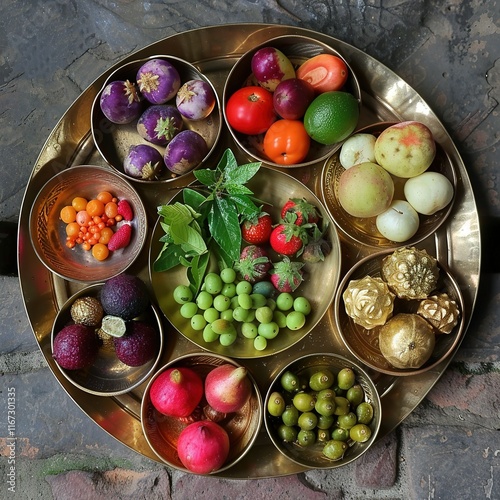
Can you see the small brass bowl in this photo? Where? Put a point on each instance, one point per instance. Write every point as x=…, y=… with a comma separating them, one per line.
x=161, y=432
x=48, y=231
x=113, y=141
x=298, y=49
x=108, y=376
x=364, y=230
x=363, y=343
x=312, y=456
x=273, y=187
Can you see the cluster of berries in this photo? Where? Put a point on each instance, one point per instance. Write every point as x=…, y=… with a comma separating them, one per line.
x=90, y=223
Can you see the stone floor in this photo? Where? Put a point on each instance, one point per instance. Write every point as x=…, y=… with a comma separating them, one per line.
x=449, y=447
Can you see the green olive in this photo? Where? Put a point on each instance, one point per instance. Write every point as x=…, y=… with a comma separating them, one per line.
x=290, y=416
x=287, y=433
x=290, y=381
x=347, y=421
x=355, y=395
x=307, y=420
x=360, y=433
x=306, y=438
x=320, y=380
x=327, y=394
x=325, y=407
x=346, y=378
x=325, y=421
x=342, y=405
x=334, y=450
x=322, y=435
x=364, y=412
x=304, y=401
x=276, y=404
x=340, y=434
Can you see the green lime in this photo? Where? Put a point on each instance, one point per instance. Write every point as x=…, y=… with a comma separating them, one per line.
x=332, y=117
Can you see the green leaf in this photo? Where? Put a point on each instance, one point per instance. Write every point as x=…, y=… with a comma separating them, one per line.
x=167, y=258
x=240, y=174
x=193, y=198
x=224, y=225
x=196, y=272
x=206, y=176
x=177, y=213
x=245, y=206
x=237, y=189
x=189, y=238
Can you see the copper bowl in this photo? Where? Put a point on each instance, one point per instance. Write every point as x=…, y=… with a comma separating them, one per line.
x=161, y=431
x=48, y=231
x=298, y=49
x=312, y=456
x=113, y=141
x=108, y=376
x=364, y=230
x=363, y=343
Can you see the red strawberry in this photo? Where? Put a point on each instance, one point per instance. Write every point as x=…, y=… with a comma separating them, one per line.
x=253, y=264
x=257, y=230
x=121, y=238
x=305, y=211
x=286, y=276
x=288, y=238
x=125, y=210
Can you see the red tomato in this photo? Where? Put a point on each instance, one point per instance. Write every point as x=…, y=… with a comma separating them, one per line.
x=325, y=72
x=250, y=110
x=287, y=142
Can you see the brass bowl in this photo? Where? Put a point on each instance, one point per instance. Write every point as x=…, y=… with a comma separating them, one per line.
x=162, y=432
x=363, y=344
x=364, y=230
x=48, y=231
x=312, y=456
x=298, y=49
x=319, y=286
x=108, y=376
x=113, y=141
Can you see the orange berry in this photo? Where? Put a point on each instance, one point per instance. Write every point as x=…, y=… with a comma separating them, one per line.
x=100, y=251
x=70, y=244
x=86, y=245
x=79, y=203
x=72, y=229
x=68, y=214
x=106, y=234
x=105, y=197
x=119, y=218
x=95, y=207
x=111, y=209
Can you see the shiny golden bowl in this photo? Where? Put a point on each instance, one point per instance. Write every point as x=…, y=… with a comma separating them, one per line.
x=363, y=343
x=312, y=456
x=319, y=287
x=161, y=432
x=298, y=49
x=108, y=376
x=113, y=141
x=48, y=231
x=364, y=230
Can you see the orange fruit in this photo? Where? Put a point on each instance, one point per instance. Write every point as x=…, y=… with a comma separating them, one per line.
x=79, y=203
x=95, y=207
x=68, y=214
x=332, y=117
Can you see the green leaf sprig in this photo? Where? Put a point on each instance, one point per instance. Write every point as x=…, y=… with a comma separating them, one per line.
x=208, y=221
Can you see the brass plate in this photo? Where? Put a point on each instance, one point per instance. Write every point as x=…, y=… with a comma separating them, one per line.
x=274, y=187
x=214, y=50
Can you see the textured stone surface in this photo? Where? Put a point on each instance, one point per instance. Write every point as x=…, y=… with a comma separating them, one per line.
x=51, y=50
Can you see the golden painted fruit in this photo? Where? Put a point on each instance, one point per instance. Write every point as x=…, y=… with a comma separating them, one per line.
x=407, y=341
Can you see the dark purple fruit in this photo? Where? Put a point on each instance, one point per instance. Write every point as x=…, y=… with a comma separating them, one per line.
x=125, y=296
x=75, y=347
x=139, y=345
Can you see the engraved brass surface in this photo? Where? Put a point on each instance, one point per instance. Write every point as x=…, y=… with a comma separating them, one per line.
x=214, y=51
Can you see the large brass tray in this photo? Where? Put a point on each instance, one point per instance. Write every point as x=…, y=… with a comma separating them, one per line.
x=214, y=50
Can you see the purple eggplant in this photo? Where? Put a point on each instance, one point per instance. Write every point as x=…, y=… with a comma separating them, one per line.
x=120, y=102
x=160, y=123
x=195, y=99
x=143, y=162
x=158, y=80
x=185, y=151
